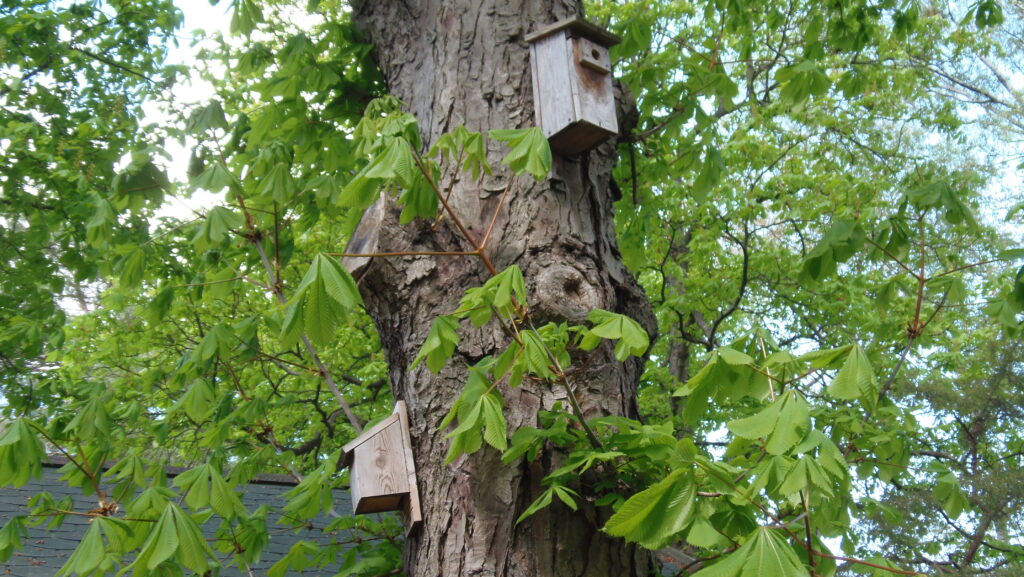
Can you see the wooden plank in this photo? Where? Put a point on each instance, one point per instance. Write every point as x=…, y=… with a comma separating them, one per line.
x=575, y=26
x=554, y=108
x=412, y=511
x=350, y=447
x=595, y=98
x=379, y=477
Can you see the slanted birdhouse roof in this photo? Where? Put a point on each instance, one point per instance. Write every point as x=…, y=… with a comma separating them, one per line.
x=579, y=26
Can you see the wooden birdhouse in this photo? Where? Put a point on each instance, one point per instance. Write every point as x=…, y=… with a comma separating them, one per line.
x=381, y=469
x=572, y=85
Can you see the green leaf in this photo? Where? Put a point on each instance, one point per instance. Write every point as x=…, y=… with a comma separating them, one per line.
x=215, y=228
x=87, y=556
x=543, y=501
x=710, y=174
x=801, y=81
x=246, y=16
x=530, y=152
x=734, y=357
x=535, y=356
x=161, y=543
x=656, y=515
x=198, y=402
x=395, y=163
x=948, y=492
x=11, y=537
x=784, y=423
x=856, y=379
x=279, y=184
x=495, y=432
x=837, y=245
x=828, y=358
x=805, y=474
x=299, y=557
x=193, y=551
x=21, y=453
x=765, y=554
x=325, y=295
x=215, y=178
x=133, y=268
x=565, y=495
x=418, y=200
x=632, y=338
x=439, y=345
x=207, y=117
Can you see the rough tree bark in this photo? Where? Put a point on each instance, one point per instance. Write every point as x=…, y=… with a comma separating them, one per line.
x=464, y=62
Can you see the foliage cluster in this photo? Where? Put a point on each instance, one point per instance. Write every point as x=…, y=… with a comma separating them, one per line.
x=834, y=387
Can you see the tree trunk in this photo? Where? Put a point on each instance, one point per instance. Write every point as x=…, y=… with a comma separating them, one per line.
x=464, y=62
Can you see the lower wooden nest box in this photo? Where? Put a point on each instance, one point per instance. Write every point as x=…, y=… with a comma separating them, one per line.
x=382, y=472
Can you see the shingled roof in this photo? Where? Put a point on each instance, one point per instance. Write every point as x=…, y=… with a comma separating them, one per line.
x=46, y=550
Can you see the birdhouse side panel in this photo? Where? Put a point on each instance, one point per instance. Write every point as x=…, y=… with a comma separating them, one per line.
x=592, y=93
x=552, y=86
x=379, y=477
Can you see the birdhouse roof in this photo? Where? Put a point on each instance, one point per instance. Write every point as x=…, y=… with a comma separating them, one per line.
x=368, y=434
x=578, y=26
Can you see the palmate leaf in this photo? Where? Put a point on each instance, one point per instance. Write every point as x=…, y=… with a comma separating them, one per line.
x=215, y=178
x=479, y=303
x=324, y=296
x=313, y=495
x=395, y=163
x=94, y=557
x=198, y=401
x=495, y=432
x=279, y=184
x=784, y=423
x=475, y=409
x=461, y=143
x=856, y=379
x=174, y=533
x=207, y=117
x=530, y=152
x=207, y=488
x=21, y=453
x=133, y=267
x=301, y=556
x=439, y=345
x=219, y=222
x=765, y=554
x=654, y=516
x=710, y=174
x=11, y=537
x=728, y=374
x=418, y=200
x=630, y=337
x=87, y=556
x=801, y=81
x=836, y=246
x=806, y=473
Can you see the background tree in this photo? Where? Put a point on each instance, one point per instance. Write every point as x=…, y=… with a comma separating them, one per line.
x=835, y=367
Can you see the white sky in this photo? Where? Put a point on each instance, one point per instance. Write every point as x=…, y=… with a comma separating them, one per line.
x=200, y=17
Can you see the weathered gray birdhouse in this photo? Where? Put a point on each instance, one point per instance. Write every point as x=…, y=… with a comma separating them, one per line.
x=381, y=469
x=572, y=85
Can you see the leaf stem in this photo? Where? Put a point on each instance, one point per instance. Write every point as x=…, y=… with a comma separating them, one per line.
x=404, y=253
x=477, y=248
x=277, y=289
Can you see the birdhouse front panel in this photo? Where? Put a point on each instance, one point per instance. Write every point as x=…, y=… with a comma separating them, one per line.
x=572, y=85
x=379, y=477
x=382, y=470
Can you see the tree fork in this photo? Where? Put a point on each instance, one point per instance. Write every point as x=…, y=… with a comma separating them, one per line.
x=461, y=62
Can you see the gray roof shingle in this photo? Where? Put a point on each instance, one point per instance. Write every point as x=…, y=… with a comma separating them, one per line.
x=47, y=549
